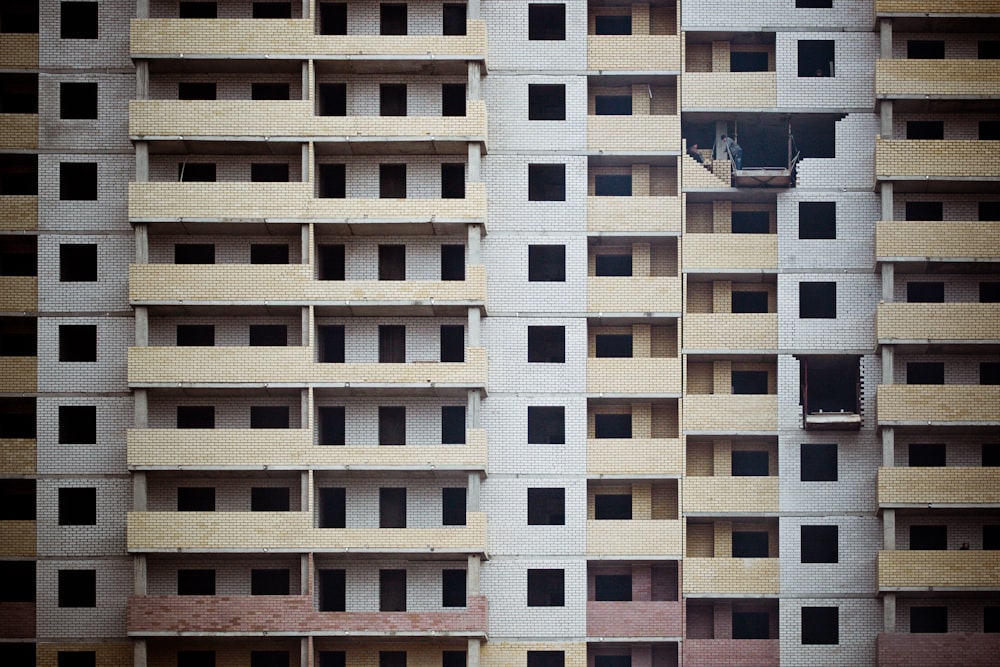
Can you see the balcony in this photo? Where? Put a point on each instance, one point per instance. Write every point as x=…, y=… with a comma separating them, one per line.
x=634, y=134
x=729, y=332
x=730, y=253
x=290, y=449
x=725, y=413
x=634, y=53
x=731, y=652
x=18, y=213
x=17, y=456
x=19, y=294
x=20, y=375
x=922, y=8
x=628, y=215
x=151, y=284
x=19, y=130
x=636, y=537
x=938, y=405
x=937, y=241
x=18, y=50
x=744, y=91
x=291, y=367
x=17, y=538
x=634, y=456
x=246, y=615
x=937, y=79
x=292, y=532
x=254, y=120
x=633, y=294
x=291, y=202
x=730, y=495
x=660, y=376
x=937, y=570
x=899, y=649
x=940, y=487
x=937, y=323
x=17, y=620
x=295, y=39
x=633, y=619
x=730, y=576
x=936, y=160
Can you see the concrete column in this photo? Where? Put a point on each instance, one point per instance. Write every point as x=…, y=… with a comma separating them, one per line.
x=473, y=88
x=887, y=208
x=142, y=243
x=304, y=652
x=142, y=9
x=139, y=491
x=475, y=162
x=885, y=38
x=141, y=162
x=140, y=417
x=472, y=574
x=475, y=237
x=888, y=446
x=306, y=83
x=888, y=356
x=142, y=79
x=304, y=566
x=474, y=322
x=885, y=119
x=888, y=283
x=473, y=504
x=306, y=412
x=306, y=326
x=472, y=654
x=141, y=326
x=305, y=480
x=139, y=574
x=305, y=163
x=139, y=653
x=306, y=240
x=889, y=529
x=889, y=612
x=720, y=129
x=472, y=13
x=472, y=417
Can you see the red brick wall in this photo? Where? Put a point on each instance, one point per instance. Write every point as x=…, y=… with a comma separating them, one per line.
x=932, y=650
x=17, y=620
x=731, y=652
x=634, y=619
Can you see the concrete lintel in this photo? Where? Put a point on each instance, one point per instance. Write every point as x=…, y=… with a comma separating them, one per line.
x=937, y=341
x=777, y=110
x=738, y=596
x=733, y=433
x=635, y=396
x=310, y=633
x=291, y=467
x=931, y=422
x=636, y=639
x=303, y=385
x=625, y=476
x=444, y=551
x=628, y=557
x=730, y=351
x=940, y=179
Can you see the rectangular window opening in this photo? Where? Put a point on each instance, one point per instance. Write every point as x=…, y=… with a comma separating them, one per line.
x=546, y=507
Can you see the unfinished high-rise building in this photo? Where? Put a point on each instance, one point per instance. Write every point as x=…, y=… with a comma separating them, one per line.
x=499, y=333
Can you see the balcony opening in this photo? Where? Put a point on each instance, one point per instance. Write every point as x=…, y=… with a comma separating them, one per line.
x=19, y=581
x=269, y=253
x=270, y=91
x=546, y=182
x=749, y=382
x=392, y=181
x=991, y=537
x=453, y=425
x=613, y=346
x=453, y=19
x=392, y=590
x=831, y=392
x=195, y=416
x=77, y=343
x=332, y=425
x=392, y=18
x=77, y=588
x=928, y=538
x=268, y=172
x=813, y=4
x=546, y=588
x=452, y=262
x=928, y=620
x=816, y=57
x=18, y=337
x=331, y=344
x=613, y=185
x=546, y=263
x=17, y=500
x=546, y=425
x=194, y=253
x=392, y=99
x=749, y=302
x=611, y=425
x=989, y=130
x=391, y=262
x=392, y=659
x=196, y=582
x=333, y=590
x=391, y=344
x=613, y=588
x=546, y=102
x=269, y=416
x=19, y=256
x=78, y=506
x=77, y=424
x=613, y=25
x=333, y=18
x=750, y=544
x=988, y=49
x=751, y=222
x=392, y=425
x=989, y=292
x=820, y=625
x=453, y=180
x=269, y=658
x=335, y=659
x=78, y=181
x=989, y=372
x=613, y=507
x=750, y=463
x=925, y=292
x=332, y=259
x=332, y=182
x=268, y=335
x=19, y=92
x=196, y=172
x=454, y=659
x=269, y=499
x=546, y=22
x=17, y=418
x=990, y=454
x=751, y=625
x=195, y=335
x=925, y=49
x=919, y=372
x=332, y=507
x=813, y=137
x=453, y=588
x=20, y=17
x=818, y=544
x=617, y=264
x=189, y=90
x=78, y=20
x=18, y=174
x=925, y=129
x=195, y=499
x=453, y=508
x=924, y=210
x=333, y=99
x=818, y=220
x=546, y=659
x=748, y=61
x=613, y=105
x=195, y=658
x=77, y=101
x=272, y=10
x=818, y=300
x=391, y=508
x=546, y=507
x=547, y=345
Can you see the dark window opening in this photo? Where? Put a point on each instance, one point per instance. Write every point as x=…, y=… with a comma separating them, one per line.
x=613, y=265
x=332, y=590
x=817, y=220
x=546, y=507
x=76, y=658
x=332, y=258
x=453, y=588
x=270, y=582
x=391, y=425
x=452, y=261
x=925, y=129
x=989, y=292
x=988, y=49
x=924, y=372
x=78, y=181
x=18, y=174
x=989, y=210
x=749, y=382
x=195, y=658
x=269, y=416
x=268, y=172
x=924, y=292
x=546, y=22
x=269, y=253
x=195, y=335
x=991, y=537
x=748, y=61
x=546, y=588
x=331, y=343
x=928, y=538
x=196, y=582
x=19, y=92
x=195, y=499
x=926, y=455
x=613, y=185
x=816, y=57
x=190, y=90
x=750, y=222
x=77, y=424
x=989, y=130
x=392, y=181
x=194, y=253
x=750, y=544
x=332, y=425
x=18, y=337
x=546, y=263
x=453, y=425
x=268, y=335
x=77, y=588
x=332, y=182
x=78, y=20
x=452, y=343
x=17, y=500
x=613, y=105
x=19, y=581
x=813, y=4
x=333, y=99
x=332, y=507
x=546, y=102
x=924, y=210
x=453, y=19
x=613, y=346
x=991, y=619
x=453, y=659
x=830, y=384
x=78, y=100
x=269, y=658
x=77, y=342
x=547, y=345
x=612, y=425
x=17, y=418
x=613, y=588
x=613, y=507
x=392, y=99
x=78, y=507
x=819, y=544
x=392, y=659
x=820, y=625
x=269, y=499
x=750, y=463
x=990, y=455
x=546, y=659
x=546, y=182
x=195, y=416
x=925, y=49
x=453, y=99
x=928, y=620
x=392, y=344
x=392, y=507
x=613, y=25
x=453, y=180
x=392, y=590
x=270, y=91
x=19, y=258
x=272, y=10
x=818, y=300
x=20, y=17
x=453, y=507
x=989, y=372
x=749, y=302
x=392, y=18
x=546, y=425
x=751, y=625
x=197, y=172
x=333, y=18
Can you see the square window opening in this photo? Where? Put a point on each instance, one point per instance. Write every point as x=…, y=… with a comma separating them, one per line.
x=77, y=343
x=546, y=588
x=78, y=101
x=269, y=499
x=546, y=182
x=269, y=253
x=392, y=344
x=546, y=22
x=818, y=220
x=547, y=345
x=818, y=300
x=546, y=102
x=819, y=544
x=613, y=588
x=77, y=424
x=78, y=507
x=78, y=20
x=195, y=335
x=612, y=425
x=333, y=18
x=546, y=507
x=613, y=507
x=78, y=181
x=816, y=57
x=195, y=416
x=546, y=425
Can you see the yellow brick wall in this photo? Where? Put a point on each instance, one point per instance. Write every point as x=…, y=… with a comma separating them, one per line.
x=936, y=7
x=637, y=455
x=720, y=57
x=731, y=576
x=959, y=569
x=17, y=456
x=663, y=181
x=748, y=331
x=109, y=654
x=635, y=537
x=664, y=501
x=19, y=130
x=18, y=213
x=642, y=375
x=730, y=494
x=18, y=293
x=938, y=403
x=665, y=420
x=721, y=251
x=645, y=133
x=663, y=19
x=923, y=158
x=696, y=176
x=937, y=239
x=700, y=461
x=698, y=58
x=663, y=258
x=699, y=295
x=633, y=294
x=700, y=378
x=663, y=339
x=949, y=321
x=237, y=654
x=659, y=213
x=738, y=89
x=700, y=540
x=722, y=377
x=516, y=653
x=18, y=51
x=699, y=220
x=925, y=486
x=719, y=412
x=20, y=374
x=17, y=538
x=631, y=52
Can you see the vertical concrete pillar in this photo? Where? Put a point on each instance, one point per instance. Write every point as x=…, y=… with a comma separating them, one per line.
x=474, y=322
x=888, y=370
x=885, y=38
x=472, y=654
x=888, y=447
x=472, y=576
x=306, y=80
x=889, y=612
x=475, y=235
x=141, y=162
x=887, y=207
x=889, y=529
x=305, y=652
x=142, y=79
x=475, y=162
x=304, y=572
x=142, y=9
x=885, y=119
x=139, y=653
x=139, y=581
x=304, y=482
x=473, y=88
x=139, y=491
x=474, y=485
x=304, y=153
x=888, y=283
x=305, y=236
x=306, y=325
x=473, y=417
x=142, y=243
x=473, y=13
x=140, y=408
x=305, y=409
x=141, y=326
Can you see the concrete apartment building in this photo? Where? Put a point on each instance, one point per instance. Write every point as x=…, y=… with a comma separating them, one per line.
x=414, y=334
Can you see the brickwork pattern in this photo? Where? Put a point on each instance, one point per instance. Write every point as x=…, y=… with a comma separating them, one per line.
x=744, y=90
x=634, y=619
x=722, y=576
x=924, y=158
x=963, y=570
x=901, y=404
x=18, y=293
x=937, y=239
x=730, y=494
x=925, y=486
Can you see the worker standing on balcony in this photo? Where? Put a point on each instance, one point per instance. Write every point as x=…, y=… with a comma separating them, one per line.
x=734, y=150
x=695, y=155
